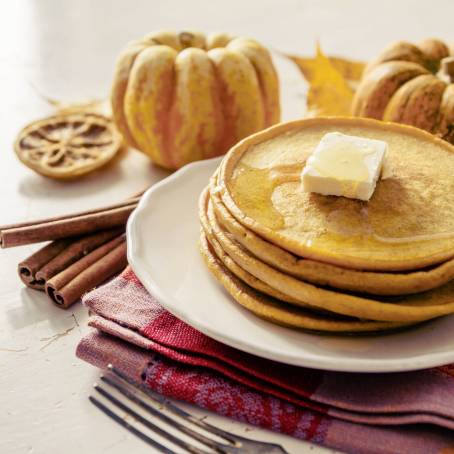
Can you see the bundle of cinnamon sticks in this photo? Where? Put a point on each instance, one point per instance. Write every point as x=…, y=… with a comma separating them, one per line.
x=85, y=249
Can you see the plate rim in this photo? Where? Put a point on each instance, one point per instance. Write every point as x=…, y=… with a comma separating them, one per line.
x=354, y=365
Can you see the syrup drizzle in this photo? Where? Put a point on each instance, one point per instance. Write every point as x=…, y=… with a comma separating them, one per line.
x=252, y=189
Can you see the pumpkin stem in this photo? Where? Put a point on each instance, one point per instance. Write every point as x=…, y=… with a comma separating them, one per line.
x=186, y=39
x=447, y=68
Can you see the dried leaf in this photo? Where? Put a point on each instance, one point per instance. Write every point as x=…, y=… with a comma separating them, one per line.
x=350, y=69
x=332, y=82
x=329, y=93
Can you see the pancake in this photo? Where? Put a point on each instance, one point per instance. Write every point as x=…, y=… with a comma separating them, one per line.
x=405, y=309
x=280, y=313
x=325, y=274
x=408, y=223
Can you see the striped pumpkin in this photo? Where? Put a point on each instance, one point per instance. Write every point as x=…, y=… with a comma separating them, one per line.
x=411, y=84
x=182, y=97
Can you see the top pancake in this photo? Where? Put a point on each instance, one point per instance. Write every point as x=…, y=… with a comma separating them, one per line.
x=407, y=224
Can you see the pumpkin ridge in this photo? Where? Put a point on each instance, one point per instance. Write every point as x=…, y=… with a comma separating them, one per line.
x=254, y=108
x=425, y=115
x=143, y=100
x=219, y=118
x=168, y=155
x=398, y=103
x=261, y=62
x=118, y=92
x=226, y=100
x=243, y=98
x=179, y=133
x=197, y=134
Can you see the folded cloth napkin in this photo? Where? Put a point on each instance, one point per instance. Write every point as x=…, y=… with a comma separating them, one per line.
x=401, y=413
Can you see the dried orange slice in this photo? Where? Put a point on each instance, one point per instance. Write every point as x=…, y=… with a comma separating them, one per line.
x=68, y=145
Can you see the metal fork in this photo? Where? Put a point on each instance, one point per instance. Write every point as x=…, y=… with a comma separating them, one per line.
x=153, y=405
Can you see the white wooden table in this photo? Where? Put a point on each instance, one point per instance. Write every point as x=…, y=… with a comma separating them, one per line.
x=66, y=50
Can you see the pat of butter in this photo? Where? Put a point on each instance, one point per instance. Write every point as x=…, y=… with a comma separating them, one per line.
x=344, y=165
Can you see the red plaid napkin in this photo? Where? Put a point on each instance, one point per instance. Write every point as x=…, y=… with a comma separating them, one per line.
x=367, y=413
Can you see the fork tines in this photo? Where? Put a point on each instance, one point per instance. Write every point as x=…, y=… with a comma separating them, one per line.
x=119, y=392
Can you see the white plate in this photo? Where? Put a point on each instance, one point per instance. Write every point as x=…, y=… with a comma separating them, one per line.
x=163, y=234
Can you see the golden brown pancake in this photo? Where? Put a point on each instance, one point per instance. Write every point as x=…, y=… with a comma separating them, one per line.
x=405, y=309
x=325, y=274
x=408, y=223
x=281, y=313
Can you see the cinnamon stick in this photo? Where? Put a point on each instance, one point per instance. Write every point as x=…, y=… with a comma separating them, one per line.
x=67, y=287
x=133, y=200
x=58, y=255
x=29, y=267
x=68, y=227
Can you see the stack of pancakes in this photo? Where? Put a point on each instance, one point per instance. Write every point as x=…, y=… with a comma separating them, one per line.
x=329, y=263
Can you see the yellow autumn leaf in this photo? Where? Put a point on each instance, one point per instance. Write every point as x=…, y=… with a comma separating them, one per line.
x=329, y=93
x=332, y=81
x=351, y=70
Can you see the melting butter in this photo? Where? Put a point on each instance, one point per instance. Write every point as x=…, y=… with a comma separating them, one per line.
x=341, y=159
x=344, y=165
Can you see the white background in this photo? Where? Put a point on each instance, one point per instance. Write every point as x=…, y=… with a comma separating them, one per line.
x=66, y=50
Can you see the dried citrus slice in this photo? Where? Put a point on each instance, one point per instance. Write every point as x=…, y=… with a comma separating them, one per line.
x=68, y=145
